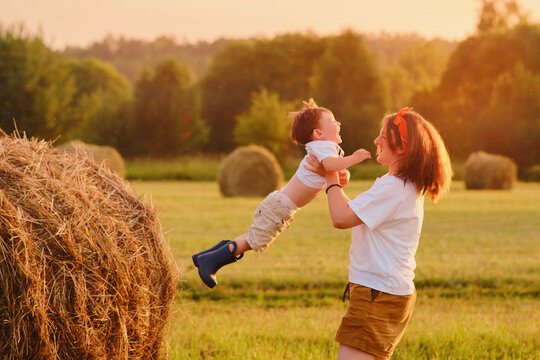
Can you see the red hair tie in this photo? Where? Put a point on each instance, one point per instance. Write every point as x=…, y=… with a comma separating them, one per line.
x=399, y=121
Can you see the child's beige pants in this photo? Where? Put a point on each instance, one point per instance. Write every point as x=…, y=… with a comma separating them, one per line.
x=273, y=215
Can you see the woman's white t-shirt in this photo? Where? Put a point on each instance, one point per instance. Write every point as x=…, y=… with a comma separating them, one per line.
x=321, y=149
x=383, y=247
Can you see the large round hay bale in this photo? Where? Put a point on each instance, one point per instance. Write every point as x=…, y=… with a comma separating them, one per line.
x=84, y=269
x=489, y=171
x=107, y=155
x=249, y=171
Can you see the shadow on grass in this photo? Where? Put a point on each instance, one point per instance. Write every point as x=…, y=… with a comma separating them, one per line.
x=275, y=293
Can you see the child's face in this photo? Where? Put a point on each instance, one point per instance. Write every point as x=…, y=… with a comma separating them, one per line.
x=385, y=155
x=329, y=128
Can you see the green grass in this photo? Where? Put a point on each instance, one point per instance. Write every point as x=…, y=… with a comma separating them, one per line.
x=478, y=278
x=205, y=168
x=194, y=168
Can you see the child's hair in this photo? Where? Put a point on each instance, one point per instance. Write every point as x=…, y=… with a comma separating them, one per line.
x=425, y=162
x=305, y=121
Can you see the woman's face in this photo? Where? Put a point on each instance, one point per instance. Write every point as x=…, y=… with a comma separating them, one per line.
x=385, y=155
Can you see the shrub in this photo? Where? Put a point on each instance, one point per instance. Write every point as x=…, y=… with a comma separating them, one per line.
x=489, y=171
x=107, y=155
x=265, y=123
x=85, y=273
x=532, y=173
x=194, y=168
x=249, y=171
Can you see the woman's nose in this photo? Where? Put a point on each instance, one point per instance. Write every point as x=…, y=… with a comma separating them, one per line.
x=376, y=141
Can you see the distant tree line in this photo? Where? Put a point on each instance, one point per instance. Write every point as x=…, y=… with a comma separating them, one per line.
x=128, y=56
x=167, y=110
x=162, y=99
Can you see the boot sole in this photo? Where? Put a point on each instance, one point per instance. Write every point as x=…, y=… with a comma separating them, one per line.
x=207, y=279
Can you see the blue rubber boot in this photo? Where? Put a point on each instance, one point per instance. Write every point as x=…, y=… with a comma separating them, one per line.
x=212, y=261
x=195, y=256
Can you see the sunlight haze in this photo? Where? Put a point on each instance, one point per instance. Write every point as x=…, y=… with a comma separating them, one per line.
x=80, y=23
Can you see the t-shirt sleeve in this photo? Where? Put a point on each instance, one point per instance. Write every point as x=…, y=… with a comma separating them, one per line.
x=379, y=203
x=324, y=149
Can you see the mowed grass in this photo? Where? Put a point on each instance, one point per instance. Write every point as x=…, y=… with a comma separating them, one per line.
x=478, y=278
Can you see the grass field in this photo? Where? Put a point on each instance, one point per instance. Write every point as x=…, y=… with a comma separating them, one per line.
x=478, y=278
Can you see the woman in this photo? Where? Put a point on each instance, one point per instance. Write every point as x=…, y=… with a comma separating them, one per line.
x=386, y=222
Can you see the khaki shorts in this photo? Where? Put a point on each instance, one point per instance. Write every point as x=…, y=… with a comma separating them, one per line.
x=273, y=215
x=375, y=321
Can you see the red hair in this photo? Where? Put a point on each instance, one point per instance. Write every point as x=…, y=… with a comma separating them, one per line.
x=425, y=161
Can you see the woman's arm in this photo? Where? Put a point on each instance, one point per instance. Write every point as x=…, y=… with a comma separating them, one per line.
x=340, y=212
x=342, y=215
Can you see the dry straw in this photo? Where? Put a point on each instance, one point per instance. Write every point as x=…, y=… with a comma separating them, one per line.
x=249, y=171
x=106, y=154
x=489, y=171
x=84, y=269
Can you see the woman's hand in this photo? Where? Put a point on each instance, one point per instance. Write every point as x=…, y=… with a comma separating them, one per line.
x=315, y=165
x=344, y=177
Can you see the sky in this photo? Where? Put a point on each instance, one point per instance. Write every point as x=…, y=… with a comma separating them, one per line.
x=81, y=22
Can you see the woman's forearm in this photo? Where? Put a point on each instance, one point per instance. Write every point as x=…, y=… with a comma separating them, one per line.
x=341, y=214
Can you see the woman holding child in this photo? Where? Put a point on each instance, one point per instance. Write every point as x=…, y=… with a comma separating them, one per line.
x=386, y=222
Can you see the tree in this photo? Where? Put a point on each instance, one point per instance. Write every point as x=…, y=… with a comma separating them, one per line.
x=225, y=92
x=511, y=122
x=419, y=67
x=283, y=65
x=485, y=100
x=499, y=14
x=347, y=82
x=101, y=103
x=36, y=88
x=265, y=123
x=166, y=112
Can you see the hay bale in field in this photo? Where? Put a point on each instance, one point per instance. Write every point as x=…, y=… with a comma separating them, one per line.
x=106, y=154
x=249, y=171
x=489, y=171
x=84, y=269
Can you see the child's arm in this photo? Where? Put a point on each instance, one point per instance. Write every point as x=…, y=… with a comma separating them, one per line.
x=335, y=163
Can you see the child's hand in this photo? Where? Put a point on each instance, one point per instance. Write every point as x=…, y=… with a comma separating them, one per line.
x=361, y=155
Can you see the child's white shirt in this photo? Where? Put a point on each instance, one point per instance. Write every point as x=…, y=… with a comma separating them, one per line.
x=321, y=149
x=383, y=247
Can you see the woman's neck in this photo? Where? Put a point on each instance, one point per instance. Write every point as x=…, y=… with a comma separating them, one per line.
x=393, y=168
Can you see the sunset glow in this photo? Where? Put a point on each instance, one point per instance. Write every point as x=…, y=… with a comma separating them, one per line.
x=82, y=22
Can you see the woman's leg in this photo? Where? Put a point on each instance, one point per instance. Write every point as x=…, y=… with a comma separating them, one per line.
x=346, y=352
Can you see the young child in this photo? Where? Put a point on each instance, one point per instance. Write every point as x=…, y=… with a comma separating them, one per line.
x=316, y=128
